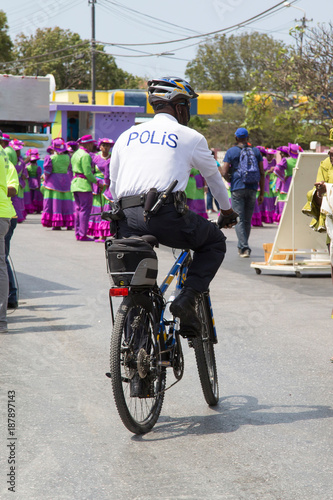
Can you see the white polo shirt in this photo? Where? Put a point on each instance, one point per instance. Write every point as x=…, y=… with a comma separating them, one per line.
x=153, y=154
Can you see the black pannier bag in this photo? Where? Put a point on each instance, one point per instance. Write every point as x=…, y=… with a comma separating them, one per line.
x=131, y=262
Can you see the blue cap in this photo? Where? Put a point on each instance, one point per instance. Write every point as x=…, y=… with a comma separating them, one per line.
x=241, y=132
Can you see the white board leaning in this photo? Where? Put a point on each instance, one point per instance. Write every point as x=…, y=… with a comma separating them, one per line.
x=307, y=249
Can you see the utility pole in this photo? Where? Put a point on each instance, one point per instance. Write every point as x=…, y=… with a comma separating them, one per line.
x=303, y=21
x=93, y=53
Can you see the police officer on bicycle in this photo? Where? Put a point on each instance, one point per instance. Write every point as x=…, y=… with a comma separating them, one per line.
x=145, y=160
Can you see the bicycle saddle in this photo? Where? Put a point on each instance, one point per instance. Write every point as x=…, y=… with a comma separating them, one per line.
x=149, y=238
x=132, y=240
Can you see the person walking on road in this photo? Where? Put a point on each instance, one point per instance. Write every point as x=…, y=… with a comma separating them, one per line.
x=6, y=213
x=243, y=193
x=81, y=186
x=12, y=189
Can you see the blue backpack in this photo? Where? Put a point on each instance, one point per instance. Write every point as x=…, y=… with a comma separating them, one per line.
x=248, y=167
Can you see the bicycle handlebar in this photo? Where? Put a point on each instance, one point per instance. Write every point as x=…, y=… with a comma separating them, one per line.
x=114, y=214
x=228, y=220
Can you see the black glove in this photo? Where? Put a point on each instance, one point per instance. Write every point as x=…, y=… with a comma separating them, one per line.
x=227, y=220
x=115, y=213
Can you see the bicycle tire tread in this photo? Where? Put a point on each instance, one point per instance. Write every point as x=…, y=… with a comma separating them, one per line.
x=211, y=395
x=115, y=370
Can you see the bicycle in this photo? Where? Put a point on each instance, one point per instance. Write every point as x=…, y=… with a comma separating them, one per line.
x=145, y=342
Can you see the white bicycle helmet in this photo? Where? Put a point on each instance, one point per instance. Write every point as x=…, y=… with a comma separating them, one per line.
x=169, y=88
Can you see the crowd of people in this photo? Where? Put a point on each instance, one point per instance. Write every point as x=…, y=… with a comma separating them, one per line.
x=72, y=187
x=256, y=203
x=69, y=190
x=278, y=175
x=278, y=166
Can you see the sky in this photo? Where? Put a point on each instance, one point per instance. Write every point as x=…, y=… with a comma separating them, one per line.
x=146, y=22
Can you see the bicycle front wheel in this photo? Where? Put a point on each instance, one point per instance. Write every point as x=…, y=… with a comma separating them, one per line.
x=138, y=379
x=205, y=355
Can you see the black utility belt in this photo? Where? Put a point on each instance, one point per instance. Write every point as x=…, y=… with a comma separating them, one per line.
x=139, y=200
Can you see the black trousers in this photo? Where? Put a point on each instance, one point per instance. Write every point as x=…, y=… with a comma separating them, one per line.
x=181, y=231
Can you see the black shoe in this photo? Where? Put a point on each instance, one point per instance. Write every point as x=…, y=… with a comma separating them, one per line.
x=245, y=253
x=136, y=386
x=12, y=305
x=183, y=307
x=188, y=332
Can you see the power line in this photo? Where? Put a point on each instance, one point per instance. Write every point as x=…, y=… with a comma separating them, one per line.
x=52, y=13
x=141, y=55
x=21, y=21
x=150, y=17
x=265, y=14
x=18, y=61
x=131, y=18
x=262, y=15
x=49, y=60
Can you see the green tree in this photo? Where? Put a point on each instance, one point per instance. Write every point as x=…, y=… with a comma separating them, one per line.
x=300, y=85
x=232, y=63
x=65, y=55
x=199, y=123
x=220, y=131
x=6, y=45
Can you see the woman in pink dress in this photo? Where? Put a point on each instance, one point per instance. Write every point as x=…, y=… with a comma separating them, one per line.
x=267, y=207
x=58, y=206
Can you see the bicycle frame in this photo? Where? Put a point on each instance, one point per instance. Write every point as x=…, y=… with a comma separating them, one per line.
x=182, y=262
x=179, y=270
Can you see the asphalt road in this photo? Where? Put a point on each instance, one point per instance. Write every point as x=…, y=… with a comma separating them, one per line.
x=270, y=437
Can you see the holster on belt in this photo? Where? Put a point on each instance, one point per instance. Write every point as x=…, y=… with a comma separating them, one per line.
x=151, y=199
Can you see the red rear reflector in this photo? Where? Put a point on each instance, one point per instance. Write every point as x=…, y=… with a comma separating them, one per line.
x=118, y=292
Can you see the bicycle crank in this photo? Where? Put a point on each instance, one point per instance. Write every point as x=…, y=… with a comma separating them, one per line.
x=178, y=359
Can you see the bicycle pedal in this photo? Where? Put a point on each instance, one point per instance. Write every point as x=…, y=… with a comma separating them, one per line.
x=164, y=363
x=168, y=322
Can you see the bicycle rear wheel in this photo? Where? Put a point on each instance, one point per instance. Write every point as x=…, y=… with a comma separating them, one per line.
x=138, y=380
x=205, y=355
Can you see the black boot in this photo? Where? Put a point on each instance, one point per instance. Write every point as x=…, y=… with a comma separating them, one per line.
x=183, y=307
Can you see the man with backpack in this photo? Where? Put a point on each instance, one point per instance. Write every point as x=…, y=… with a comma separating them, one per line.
x=243, y=168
